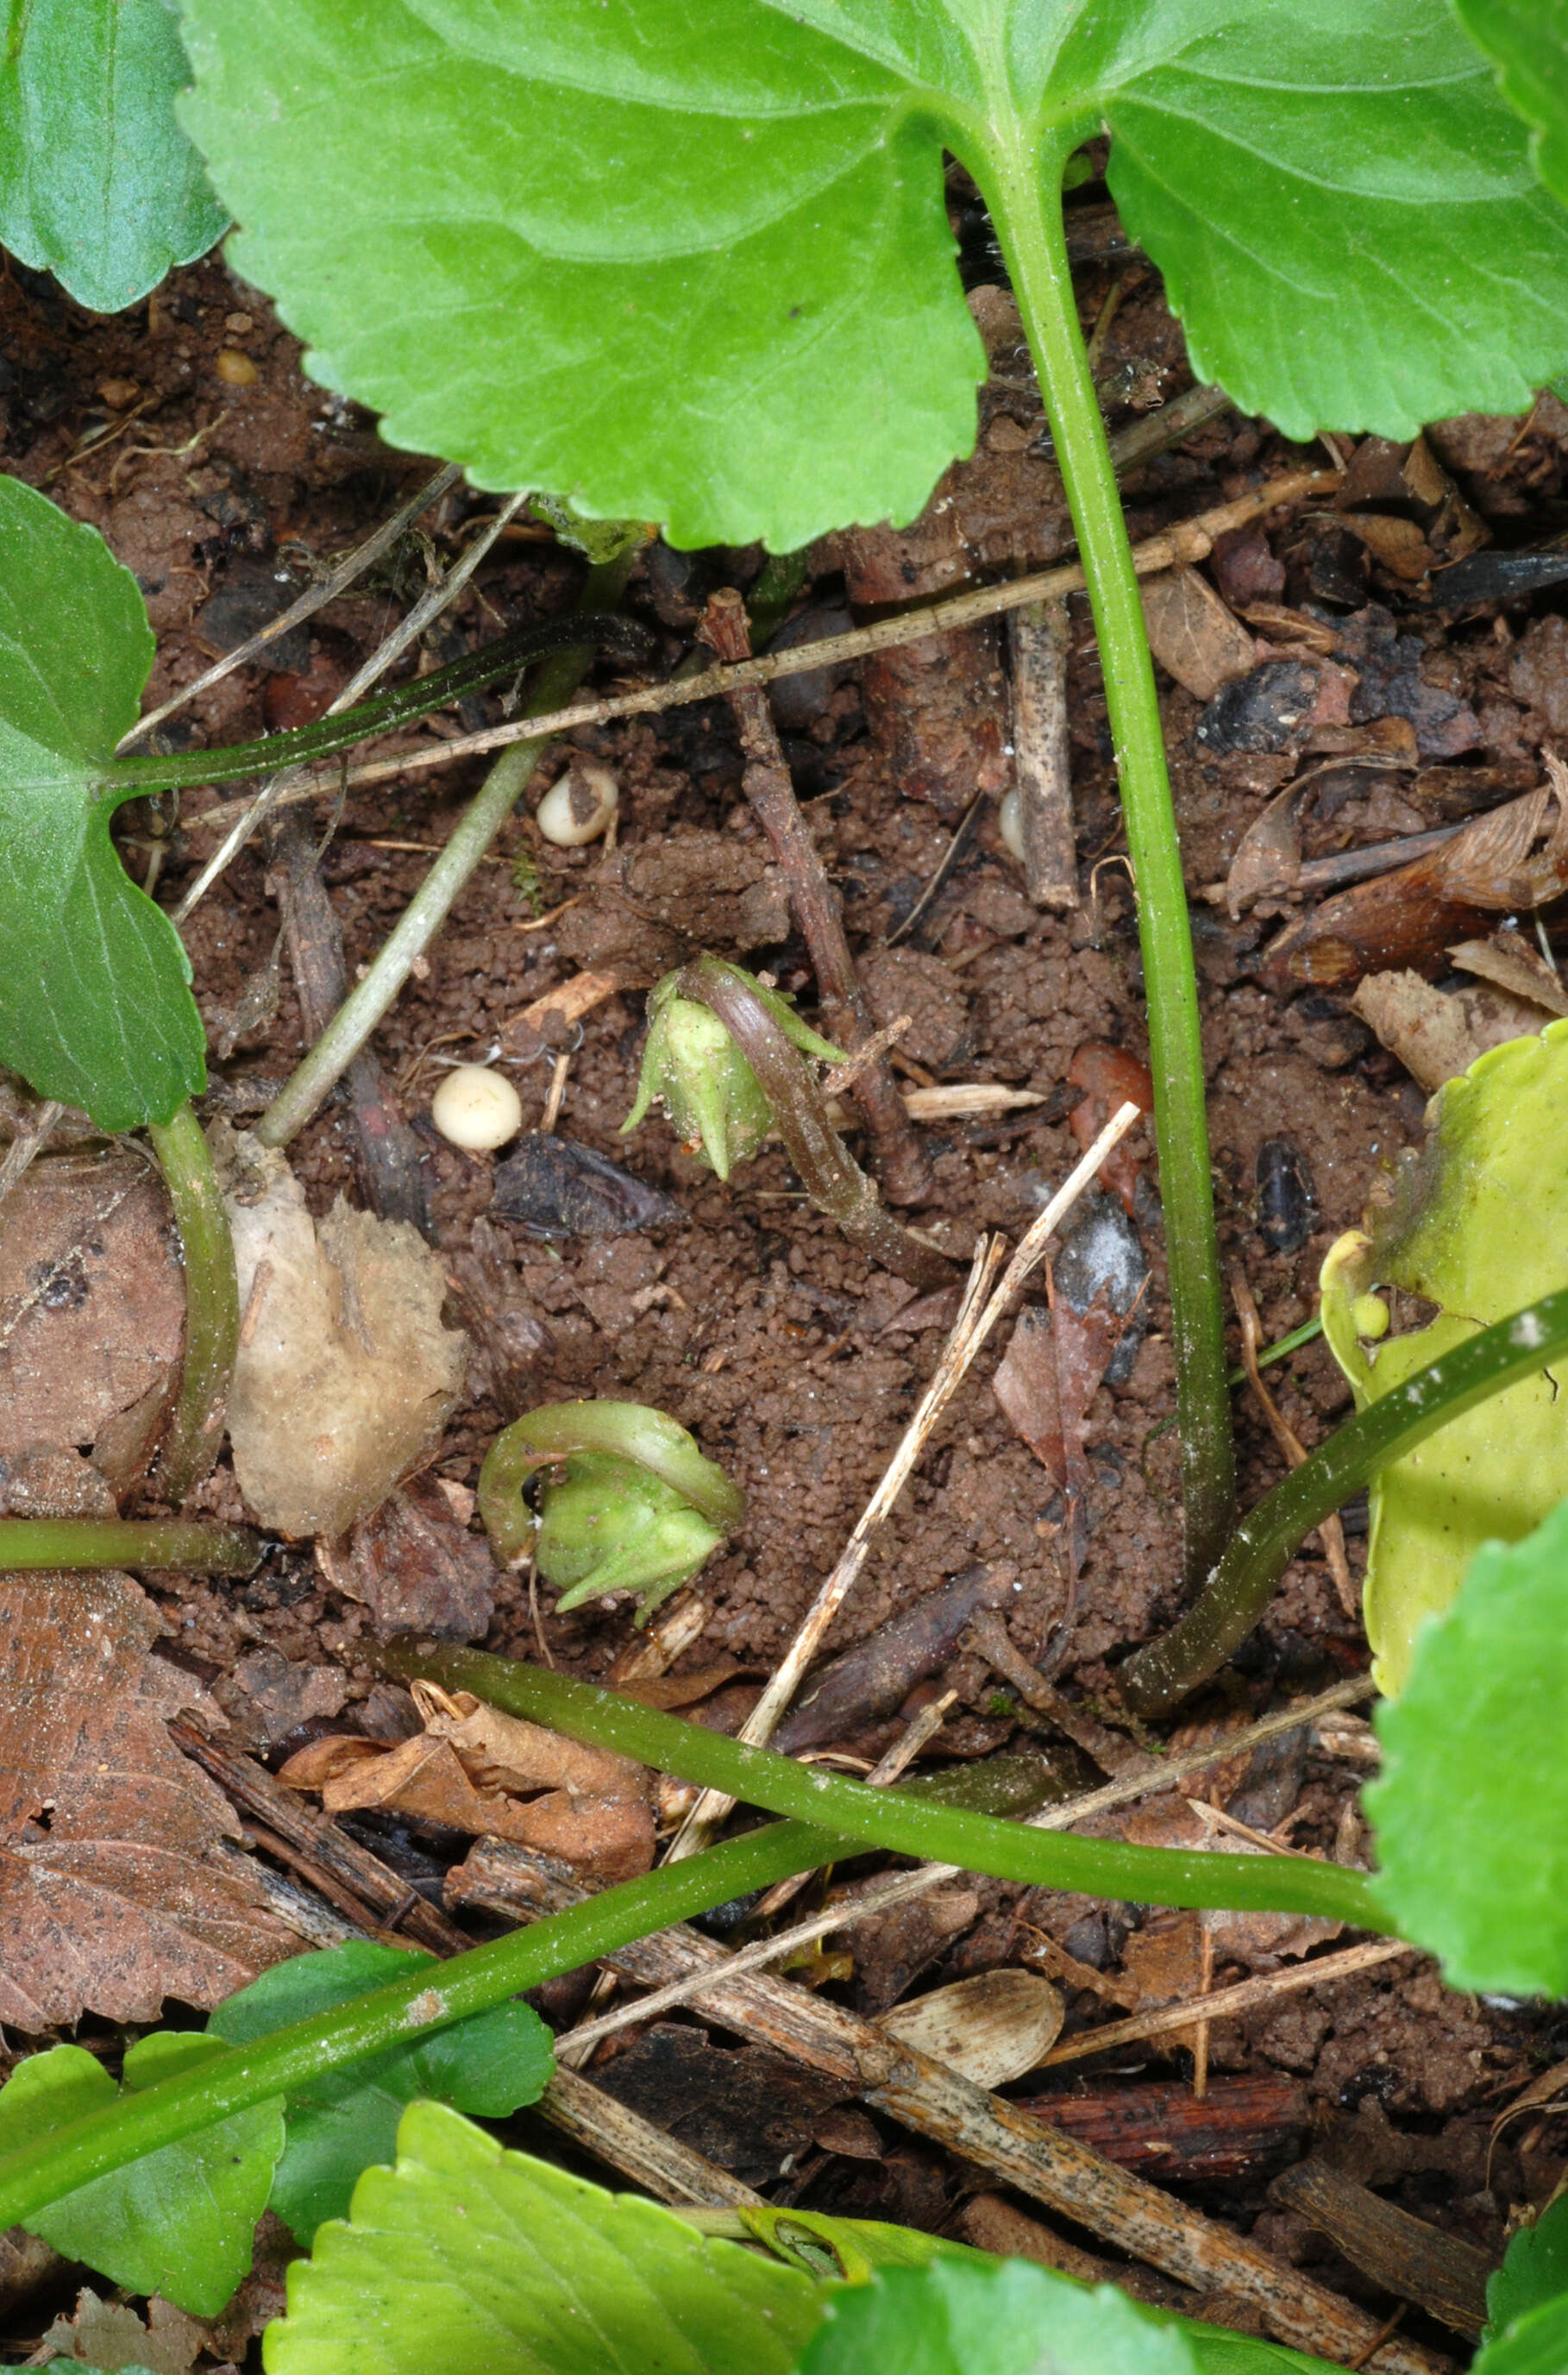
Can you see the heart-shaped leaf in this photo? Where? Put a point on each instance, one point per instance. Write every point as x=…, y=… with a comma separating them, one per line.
x=1529, y=42
x=688, y=260
x=466, y=2257
x=95, y=1001
x=178, y=2222
x=97, y=182
x=490, y=2064
x=1471, y=1812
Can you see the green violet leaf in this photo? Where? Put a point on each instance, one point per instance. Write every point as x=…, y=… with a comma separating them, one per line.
x=180, y=2221
x=1471, y=1812
x=468, y=2257
x=1012, y=2319
x=1527, y=41
x=688, y=261
x=490, y=2064
x=95, y=1001
x=97, y=182
x=1534, y=2270
x=1537, y=2345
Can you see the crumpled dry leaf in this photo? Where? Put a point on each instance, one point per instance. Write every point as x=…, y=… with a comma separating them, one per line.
x=1192, y=634
x=1512, y=858
x=107, y=2333
x=345, y=1376
x=990, y=2027
x=114, y=1891
x=1046, y=1383
x=1437, y=1034
x=416, y=1567
x=1169, y=1966
x=92, y=1298
x=474, y=1768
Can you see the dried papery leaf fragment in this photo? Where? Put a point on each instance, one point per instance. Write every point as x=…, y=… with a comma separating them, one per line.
x=417, y=1568
x=474, y=1768
x=1439, y=1033
x=1513, y=858
x=991, y=2027
x=92, y=1300
x=124, y=1897
x=1479, y=1226
x=1112, y=1077
x=1193, y=636
x=345, y=1376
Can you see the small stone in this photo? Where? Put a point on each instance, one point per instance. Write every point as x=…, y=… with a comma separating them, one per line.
x=236, y=370
x=119, y=395
x=238, y=323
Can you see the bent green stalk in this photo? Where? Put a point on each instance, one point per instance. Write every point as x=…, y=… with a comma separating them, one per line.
x=430, y=1998
x=212, y=1304
x=887, y=1818
x=1024, y=189
x=29, y=1544
x=1155, y=1678
x=313, y=1079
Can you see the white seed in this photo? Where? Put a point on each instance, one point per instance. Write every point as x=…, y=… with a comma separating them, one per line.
x=1009, y=823
x=578, y=808
x=477, y=1108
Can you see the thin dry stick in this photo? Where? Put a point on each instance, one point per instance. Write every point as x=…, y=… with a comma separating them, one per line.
x=432, y=603
x=662, y=2166
x=973, y=1325
x=1331, y=1533
x=1191, y=540
x=1042, y=753
x=314, y=599
x=26, y=1144
x=1245, y=1996
x=1007, y=2142
x=880, y=1896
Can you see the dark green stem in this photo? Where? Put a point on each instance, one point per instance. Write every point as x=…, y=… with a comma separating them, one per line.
x=401, y=706
x=28, y=1544
x=432, y=1997
x=212, y=1304
x=626, y=1430
x=887, y=1818
x=1155, y=1678
x=829, y=1173
x=1023, y=188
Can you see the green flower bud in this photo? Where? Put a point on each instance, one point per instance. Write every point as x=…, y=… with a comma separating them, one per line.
x=627, y=1503
x=693, y=1068
x=607, y=1525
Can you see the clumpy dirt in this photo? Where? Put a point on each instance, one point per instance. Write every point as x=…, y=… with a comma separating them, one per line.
x=185, y=433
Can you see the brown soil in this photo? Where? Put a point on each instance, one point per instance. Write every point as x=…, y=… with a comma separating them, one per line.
x=752, y=1321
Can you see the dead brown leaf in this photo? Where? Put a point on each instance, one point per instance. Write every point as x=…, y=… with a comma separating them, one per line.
x=1436, y=1033
x=474, y=1768
x=107, y=2333
x=1192, y=634
x=1514, y=857
x=416, y=1567
x=114, y=1889
x=92, y=1299
x=1046, y=1383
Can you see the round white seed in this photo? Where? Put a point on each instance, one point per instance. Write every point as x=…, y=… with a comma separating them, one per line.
x=578, y=808
x=477, y=1108
x=1009, y=823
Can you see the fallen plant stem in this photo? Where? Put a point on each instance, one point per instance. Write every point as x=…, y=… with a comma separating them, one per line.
x=212, y=1304
x=314, y=1078
x=1156, y=1677
x=327, y=589
x=886, y=1818
x=978, y=1314
x=192, y=1546
x=902, y=1164
x=1027, y=186
x=1189, y=541
x=1228, y=2003
x=829, y=1173
x=1331, y=1533
x=56, y=2164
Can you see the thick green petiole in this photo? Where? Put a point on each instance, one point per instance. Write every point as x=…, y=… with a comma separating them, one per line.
x=212, y=1304
x=1022, y=187
x=30, y=1545
x=889, y=1818
x=430, y=1998
x=1154, y=1679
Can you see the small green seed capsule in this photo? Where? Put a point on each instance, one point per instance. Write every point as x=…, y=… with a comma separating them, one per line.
x=607, y=1525
x=693, y=1068
x=1369, y=1315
